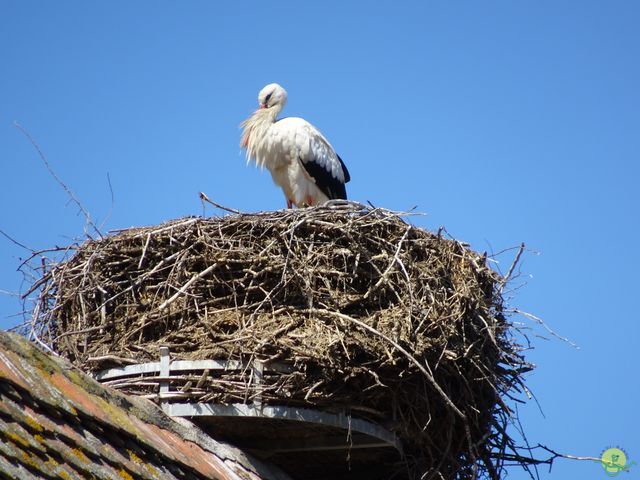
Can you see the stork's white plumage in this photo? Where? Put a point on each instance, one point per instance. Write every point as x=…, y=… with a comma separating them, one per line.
x=301, y=161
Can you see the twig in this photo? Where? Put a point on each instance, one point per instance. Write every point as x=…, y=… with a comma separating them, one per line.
x=507, y=277
x=108, y=216
x=113, y=358
x=549, y=461
x=75, y=200
x=394, y=260
x=204, y=198
x=13, y=240
x=567, y=456
x=184, y=288
x=144, y=250
x=545, y=326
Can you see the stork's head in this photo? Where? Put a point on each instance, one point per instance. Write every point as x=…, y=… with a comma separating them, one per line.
x=272, y=96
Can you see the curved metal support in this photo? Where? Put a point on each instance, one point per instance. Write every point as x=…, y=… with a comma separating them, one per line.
x=339, y=420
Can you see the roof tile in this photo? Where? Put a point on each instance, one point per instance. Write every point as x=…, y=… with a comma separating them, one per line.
x=56, y=422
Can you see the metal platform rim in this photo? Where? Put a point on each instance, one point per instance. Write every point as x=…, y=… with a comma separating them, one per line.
x=387, y=439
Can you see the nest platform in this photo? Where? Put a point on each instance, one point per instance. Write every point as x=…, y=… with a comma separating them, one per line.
x=340, y=309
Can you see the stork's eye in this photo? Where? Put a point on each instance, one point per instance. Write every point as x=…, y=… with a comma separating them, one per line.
x=266, y=99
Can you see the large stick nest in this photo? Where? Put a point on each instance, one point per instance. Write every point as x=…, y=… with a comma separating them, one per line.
x=396, y=324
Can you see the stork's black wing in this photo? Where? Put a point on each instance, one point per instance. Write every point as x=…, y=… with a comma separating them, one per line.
x=328, y=184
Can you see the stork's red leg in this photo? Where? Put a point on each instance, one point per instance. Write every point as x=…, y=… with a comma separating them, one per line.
x=289, y=203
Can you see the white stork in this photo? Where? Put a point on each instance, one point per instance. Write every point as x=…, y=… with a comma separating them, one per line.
x=301, y=161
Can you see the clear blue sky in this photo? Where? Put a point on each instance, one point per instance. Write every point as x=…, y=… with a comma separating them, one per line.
x=505, y=121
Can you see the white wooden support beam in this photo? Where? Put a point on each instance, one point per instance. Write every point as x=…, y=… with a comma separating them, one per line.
x=165, y=370
x=258, y=372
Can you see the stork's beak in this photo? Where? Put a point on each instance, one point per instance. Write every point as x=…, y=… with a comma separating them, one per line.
x=262, y=105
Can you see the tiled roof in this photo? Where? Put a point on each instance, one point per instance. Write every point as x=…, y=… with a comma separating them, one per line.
x=58, y=423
